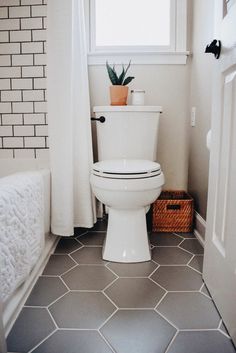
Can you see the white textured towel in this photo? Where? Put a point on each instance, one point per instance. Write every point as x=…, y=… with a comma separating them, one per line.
x=21, y=228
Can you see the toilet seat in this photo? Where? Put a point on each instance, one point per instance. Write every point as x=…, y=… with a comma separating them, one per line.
x=126, y=169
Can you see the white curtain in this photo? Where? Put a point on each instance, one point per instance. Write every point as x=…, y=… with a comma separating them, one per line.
x=70, y=139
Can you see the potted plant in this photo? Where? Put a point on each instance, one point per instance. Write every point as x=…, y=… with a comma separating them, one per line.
x=119, y=89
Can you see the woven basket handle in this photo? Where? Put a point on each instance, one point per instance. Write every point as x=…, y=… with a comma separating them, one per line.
x=173, y=207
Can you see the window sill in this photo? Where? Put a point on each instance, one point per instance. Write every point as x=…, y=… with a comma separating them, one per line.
x=139, y=58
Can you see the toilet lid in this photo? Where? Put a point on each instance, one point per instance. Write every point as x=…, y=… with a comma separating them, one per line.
x=126, y=168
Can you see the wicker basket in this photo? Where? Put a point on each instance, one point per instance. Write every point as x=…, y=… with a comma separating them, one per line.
x=173, y=212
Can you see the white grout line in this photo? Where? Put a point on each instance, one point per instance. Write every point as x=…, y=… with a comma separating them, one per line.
x=220, y=324
x=181, y=241
x=114, y=273
x=191, y=259
x=110, y=300
x=42, y=341
x=117, y=277
x=57, y=299
x=164, y=295
x=35, y=306
x=106, y=341
x=197, y=329
x=154, y=271
x=71, y=268
x=91, y=246
x=194, y=269
x=68, y=288
x=159, y=285
x=225, y=334
x=171, y=323
x=171, y=342
x=187, y=251
x=103, y=324
x=52, y=318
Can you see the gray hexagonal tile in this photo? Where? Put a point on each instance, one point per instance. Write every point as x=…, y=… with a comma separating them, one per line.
x=135, y=293
x=84, y=310
x=66, y=245
x=187, y=235
x=141, y=269
x=89, y=256
x=189, y=311
x=197, y=263
x=88, y=277
x=58, y=264
x=138, y=331
x=45, y=291
x=177, y=278
x=201, y=342
x=70, y=341
x=193, y=246
x=92, y=238
x=170, y=256
x=165, y=239
x=30, y=328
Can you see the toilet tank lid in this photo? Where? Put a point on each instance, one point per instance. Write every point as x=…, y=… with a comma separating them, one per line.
x=128, y=108
x=126, y=166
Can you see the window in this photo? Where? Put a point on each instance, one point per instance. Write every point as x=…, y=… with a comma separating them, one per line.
x=144, y=28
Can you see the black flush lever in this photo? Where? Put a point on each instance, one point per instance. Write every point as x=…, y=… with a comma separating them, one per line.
x=214, y=48
x=102, y=119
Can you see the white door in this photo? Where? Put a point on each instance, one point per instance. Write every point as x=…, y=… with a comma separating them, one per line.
x=219, y=270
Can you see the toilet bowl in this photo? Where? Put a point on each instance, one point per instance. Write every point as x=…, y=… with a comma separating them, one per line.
x=127, y=187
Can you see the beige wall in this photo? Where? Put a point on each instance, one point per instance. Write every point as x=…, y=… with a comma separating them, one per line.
x=200, y=97
x=168, y=86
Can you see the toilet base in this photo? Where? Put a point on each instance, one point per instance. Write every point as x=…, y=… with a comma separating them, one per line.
x=127, y=239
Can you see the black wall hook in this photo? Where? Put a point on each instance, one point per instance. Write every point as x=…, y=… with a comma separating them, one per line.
x=102, y=119
x=214, y=48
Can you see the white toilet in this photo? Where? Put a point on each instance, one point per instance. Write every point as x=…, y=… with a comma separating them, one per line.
x=126, y=179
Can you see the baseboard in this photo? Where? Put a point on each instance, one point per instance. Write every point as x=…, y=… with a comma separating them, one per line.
x=200, y=228
x=14, y=305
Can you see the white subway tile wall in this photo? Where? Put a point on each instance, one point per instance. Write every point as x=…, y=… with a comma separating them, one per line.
x=23, y=108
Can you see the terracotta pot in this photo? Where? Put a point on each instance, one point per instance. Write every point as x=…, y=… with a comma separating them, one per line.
x=118, y=94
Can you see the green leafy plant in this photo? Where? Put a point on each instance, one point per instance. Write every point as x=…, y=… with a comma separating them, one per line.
x=120, y=80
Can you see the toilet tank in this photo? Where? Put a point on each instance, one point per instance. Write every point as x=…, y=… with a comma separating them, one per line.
x=128, y=132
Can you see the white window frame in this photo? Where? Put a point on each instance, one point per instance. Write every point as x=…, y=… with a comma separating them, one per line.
x=176, y=53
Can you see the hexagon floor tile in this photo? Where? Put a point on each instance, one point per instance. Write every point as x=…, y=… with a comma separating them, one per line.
x=83, y=310
x=92, y=238
x=201, y=342
x=89, y=256
x=70, y=341
x=125, y=318
x=170, y=256
x=31, y=326
x=193, y=246
x=141, y=269
x=165, y=239
x=197, y=263
x=138, y=331
x=45, y=291
x=58, y=264
x=177, y=278
x=189, y=311
x=88, y=277
x=135, y=293
x=66, y=245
